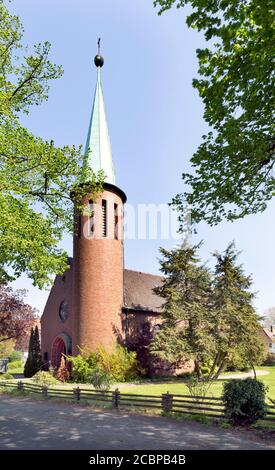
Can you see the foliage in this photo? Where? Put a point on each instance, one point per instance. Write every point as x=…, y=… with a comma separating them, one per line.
x=206, y=318
x=244, y=401
x=81, y=368
x=235, y=331
x=100, y=380
x=62, y=372
x=140, y=343
x=185, y=331
x=234, y=163
x=15, y=356
x=15, y=364
x=197, y=387
x=34, y=362
x=44, y=378
x=118, y=365
x=6, y=376
x=36, y=176
x=6, y=347
x=16, y=317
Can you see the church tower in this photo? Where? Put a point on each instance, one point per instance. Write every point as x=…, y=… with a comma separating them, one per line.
x=98, y=241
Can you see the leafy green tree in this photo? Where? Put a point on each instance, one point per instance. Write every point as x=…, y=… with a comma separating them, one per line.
x=234, y=164
x=236, y=325
x=36, y=176
x=186, y=289
x=34, y=362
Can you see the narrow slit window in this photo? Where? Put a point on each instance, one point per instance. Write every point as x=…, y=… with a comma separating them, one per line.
x=115, y=221
x=104, y=218
x=91, y=220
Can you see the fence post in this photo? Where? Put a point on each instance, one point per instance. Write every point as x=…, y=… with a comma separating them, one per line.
x=77, y=393
x=45, y=391
x=20, y=385
x=116, y=398
x=167, y=402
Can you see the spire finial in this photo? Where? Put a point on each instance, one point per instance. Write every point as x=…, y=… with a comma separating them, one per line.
x=99, y=61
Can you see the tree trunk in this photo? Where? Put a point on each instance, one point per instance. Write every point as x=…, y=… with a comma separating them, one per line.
x=221, y=367
x=198, y=369
x=254, y=371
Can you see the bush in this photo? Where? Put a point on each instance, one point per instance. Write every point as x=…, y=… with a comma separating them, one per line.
x=120, y=365
x=6, y=376
x=100, y=380
x=81, y=369
x=15, y=356
x=62, y=372
x=15, y=364
x=45, y=379
x=244, y=401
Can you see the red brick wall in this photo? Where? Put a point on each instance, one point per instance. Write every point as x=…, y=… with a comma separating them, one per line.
x=51, y=324
x=98, y=280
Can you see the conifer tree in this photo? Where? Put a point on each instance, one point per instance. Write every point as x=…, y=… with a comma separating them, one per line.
x=236, y=324
x=62, y=372
x=185, y=331
x=34, y=362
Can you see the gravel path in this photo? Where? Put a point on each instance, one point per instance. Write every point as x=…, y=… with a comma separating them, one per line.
x=243, y=375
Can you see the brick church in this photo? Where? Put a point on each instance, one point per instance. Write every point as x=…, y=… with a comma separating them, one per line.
x=97, y=301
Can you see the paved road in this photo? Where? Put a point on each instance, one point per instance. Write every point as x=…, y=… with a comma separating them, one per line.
x=26, y=424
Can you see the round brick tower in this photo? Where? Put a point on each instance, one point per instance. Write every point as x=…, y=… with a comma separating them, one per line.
x=98, y=243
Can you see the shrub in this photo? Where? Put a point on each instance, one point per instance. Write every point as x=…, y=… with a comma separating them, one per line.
x=81, y=369
x=6, y=376
x=15, y=356
x=244, y=401
x=120, y=365
x=62, y=372
x=197, y=387
x=44, y=379
x=14, y=364
x=100, y=380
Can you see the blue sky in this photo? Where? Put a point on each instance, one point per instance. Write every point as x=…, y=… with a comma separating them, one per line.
x=155, y=116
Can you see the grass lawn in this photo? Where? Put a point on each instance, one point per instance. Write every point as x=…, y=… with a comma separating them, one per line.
x=178, y=387
x=174, y=386
x=18, y=370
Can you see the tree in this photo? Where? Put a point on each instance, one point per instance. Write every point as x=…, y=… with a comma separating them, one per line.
x=33, y=362
x=185, y=331
x=6, y=347
x=236, y=325
x=16, y=317
x=269, y=317
x=62, y=372
x=36, y=176
x=234, y=163
x=207, y=318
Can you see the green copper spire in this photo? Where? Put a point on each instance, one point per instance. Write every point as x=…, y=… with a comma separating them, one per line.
x=98, y=153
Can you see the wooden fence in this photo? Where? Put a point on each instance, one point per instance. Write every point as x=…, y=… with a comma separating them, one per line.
x=185, y=404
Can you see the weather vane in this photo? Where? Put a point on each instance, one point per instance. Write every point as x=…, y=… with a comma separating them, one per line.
x=98, y=45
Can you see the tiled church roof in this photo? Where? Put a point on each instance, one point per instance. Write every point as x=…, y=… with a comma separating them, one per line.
x=138, y=291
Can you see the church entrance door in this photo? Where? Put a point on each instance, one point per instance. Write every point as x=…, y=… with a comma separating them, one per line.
x=58, y=349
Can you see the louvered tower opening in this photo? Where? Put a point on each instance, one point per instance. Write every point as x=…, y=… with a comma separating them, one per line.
x=115, y=221
x=104, y=218
x=92, y=220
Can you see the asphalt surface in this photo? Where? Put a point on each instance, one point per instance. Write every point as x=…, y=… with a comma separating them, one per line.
x=27, y=424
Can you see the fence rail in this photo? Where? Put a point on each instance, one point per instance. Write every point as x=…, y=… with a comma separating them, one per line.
x=183, y=404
